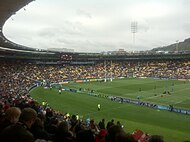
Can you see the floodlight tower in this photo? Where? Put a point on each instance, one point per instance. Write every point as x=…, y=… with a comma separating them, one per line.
x=134, y=27
x=111, y=72
x=177, y=44
x=105, y=71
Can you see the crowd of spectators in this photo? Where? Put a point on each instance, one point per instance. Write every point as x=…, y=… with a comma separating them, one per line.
x=28, y=121
x=17, y=77
x=18, y=111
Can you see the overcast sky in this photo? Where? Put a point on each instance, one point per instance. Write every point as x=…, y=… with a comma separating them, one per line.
x=100, y=25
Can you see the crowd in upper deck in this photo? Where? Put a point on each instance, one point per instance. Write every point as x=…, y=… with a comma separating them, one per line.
x=17, y=77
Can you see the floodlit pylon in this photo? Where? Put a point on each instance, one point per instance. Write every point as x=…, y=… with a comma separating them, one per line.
x=134, y=26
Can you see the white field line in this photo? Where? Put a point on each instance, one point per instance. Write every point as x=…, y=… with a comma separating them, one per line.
x=181, y=101
x=167, y=95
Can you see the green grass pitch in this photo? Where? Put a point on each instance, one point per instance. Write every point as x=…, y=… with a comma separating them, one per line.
x=173, y=126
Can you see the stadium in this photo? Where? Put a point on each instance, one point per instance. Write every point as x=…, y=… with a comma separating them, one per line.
x=88, y=97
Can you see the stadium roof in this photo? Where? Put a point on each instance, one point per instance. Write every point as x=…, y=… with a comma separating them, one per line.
x=7, y=9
